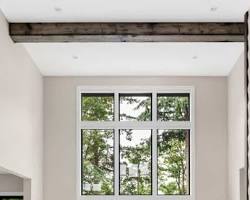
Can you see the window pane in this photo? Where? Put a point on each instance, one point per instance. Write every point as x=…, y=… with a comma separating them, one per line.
x=173, y=107
x=135, y=107
x=97, y=162
x=135, y=162
x=97, y=107
x=173, y=162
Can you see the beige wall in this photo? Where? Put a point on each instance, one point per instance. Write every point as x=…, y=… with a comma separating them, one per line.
x=236, y=127
x=60, y=132
x=21, y=121
x=10, y=183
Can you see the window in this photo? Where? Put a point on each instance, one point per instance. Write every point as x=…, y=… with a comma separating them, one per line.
x=11, y=197
x=97, y=107
x=97, y=162
x=173, y=162
x=135, y=162
x=132, y=143
x=173, y=107
x=135, y=107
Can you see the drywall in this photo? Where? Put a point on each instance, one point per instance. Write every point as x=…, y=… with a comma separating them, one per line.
x=21, y=113
x=236, y=128
x=210, y=128
x=10, y=183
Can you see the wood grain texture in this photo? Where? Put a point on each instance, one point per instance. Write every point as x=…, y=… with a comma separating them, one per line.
x=127, y=32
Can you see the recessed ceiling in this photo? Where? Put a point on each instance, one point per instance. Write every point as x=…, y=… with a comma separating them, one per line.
x=135, y=59
x=124, y=11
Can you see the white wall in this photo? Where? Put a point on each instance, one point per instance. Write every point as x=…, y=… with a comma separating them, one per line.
x=21, y=113
x=10, y=183
x=60, y=132
x=236, y=127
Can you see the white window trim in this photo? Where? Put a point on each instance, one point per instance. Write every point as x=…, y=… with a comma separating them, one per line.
x=12, y=194
x=116, y=125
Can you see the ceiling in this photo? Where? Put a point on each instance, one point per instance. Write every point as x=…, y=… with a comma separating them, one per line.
x=135, y=59
x=124, y=11
x=131, y=59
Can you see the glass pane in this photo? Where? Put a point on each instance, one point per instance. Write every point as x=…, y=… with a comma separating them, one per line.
x=135, y=107
x=97, y=107
x=173, y=162
x=173, y=107
x=135, y=162
x=97, y=162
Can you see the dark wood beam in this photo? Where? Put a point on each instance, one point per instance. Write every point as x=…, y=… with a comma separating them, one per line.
x=127, y=32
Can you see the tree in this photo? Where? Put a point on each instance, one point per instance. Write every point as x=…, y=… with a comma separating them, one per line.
x=173, y=162
x=173, y=146
x=97, y=146
x=97, y=108
x=138, y=155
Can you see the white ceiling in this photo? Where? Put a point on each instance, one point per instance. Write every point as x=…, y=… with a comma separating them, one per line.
x=208, y=59
x=118, y=10
x=135, y=59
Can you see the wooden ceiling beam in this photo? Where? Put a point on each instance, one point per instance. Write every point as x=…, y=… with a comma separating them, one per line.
x=127, y=32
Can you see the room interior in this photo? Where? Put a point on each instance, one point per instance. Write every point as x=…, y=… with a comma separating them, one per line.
x=55, y=56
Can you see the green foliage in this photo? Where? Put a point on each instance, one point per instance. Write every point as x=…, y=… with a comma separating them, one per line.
x=97, y=108
x=173, y=161
x=173, y=108
x=142, y=103
x=137, y=155
x=97, y=160
x=173, y=146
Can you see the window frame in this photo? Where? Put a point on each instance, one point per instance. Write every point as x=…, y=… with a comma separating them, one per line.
x=11, y=195
x=142, y=125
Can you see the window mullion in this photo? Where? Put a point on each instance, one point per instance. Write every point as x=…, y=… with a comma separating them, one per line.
x=154, y=107
x=116, y=111
x=116, y=163
x=154, y=145
x=135, y=125
x=154, y=162
x=116, y=156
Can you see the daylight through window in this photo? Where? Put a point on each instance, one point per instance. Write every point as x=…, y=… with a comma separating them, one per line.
x=136, y=143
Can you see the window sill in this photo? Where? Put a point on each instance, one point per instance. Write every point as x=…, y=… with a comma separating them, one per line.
x=137, y=197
